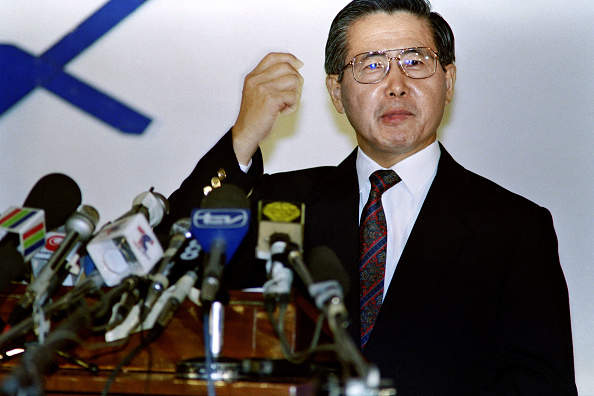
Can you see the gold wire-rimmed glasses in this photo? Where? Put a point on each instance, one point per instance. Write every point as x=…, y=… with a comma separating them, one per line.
x=414, y=62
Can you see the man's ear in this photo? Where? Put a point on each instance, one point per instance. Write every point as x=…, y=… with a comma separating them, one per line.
x=334, y=90
x=450, y=74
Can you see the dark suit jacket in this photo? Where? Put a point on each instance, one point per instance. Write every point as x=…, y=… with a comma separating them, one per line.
x=478, y=303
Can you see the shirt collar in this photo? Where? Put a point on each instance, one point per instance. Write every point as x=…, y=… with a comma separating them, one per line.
x=415, y=171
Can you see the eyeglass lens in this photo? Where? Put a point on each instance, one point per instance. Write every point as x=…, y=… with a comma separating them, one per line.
x=373, y=66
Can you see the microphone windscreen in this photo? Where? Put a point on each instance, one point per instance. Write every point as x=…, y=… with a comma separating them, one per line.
x=58, y=195
x=324, y=265
x=224, y=197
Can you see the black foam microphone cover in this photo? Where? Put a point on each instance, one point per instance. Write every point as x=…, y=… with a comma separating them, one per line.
x=58, y=195
x=224, y=197
x=324, y=265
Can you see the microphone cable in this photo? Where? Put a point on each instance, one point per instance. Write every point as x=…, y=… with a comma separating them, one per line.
x=145, y=341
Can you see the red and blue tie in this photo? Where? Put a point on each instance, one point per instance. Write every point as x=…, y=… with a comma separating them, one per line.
x=373, y=240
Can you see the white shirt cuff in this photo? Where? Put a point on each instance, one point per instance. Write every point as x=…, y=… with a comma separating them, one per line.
x=245, y=168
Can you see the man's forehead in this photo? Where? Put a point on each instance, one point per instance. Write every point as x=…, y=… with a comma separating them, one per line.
x=379, y=29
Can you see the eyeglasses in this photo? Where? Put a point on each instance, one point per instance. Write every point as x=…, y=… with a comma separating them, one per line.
x=372, y=67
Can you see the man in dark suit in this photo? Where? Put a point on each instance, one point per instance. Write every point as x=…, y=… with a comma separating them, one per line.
x=473, y=299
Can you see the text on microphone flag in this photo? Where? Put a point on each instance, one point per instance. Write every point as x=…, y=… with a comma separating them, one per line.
x=208, y=218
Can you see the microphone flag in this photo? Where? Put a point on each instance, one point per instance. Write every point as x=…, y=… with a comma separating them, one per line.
x=29, y=224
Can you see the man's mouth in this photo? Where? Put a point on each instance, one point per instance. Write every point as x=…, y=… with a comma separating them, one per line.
x=396, y=115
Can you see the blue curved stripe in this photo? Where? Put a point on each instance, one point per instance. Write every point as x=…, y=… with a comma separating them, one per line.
x=21, y=72
x=89, y=31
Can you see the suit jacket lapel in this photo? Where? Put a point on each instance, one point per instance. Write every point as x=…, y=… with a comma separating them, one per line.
x=437, y=236
x=332, y=220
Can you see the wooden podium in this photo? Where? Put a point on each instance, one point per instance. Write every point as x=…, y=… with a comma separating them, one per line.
x=248, y=334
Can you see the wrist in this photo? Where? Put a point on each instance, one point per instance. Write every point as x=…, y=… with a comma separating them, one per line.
x=244, y=148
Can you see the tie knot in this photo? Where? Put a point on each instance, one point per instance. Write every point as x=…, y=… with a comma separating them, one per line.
x=382, y=179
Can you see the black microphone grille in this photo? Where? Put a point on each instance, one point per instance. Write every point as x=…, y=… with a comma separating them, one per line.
x=225, y=197
x=325, y=265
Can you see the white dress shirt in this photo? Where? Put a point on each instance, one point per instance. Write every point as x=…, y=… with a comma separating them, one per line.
x=402, y=202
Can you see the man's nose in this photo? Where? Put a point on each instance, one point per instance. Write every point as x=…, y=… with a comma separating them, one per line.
x=395, y=79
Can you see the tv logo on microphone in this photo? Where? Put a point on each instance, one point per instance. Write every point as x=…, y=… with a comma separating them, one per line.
x=127, y=247
x=217, y=218
x=144, y=241
x=215, y=227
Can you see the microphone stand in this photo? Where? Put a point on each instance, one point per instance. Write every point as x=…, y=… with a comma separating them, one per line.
x=367, y=382
x=212, y=366
x=27, y=378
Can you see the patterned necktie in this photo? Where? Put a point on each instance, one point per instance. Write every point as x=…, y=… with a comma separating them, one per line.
x=373, y=239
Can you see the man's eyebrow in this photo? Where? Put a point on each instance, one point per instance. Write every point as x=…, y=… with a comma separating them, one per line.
x=371, y=53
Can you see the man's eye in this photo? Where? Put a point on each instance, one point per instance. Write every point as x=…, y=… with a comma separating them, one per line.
x=373, y=66
x=412, y=63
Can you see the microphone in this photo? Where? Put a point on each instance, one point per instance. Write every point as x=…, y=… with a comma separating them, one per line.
x=129, y=246
x=122, y=310
x=53, y=239
x=79, y=228
x=121, y=325
x=27, y=377
x=180, y=237
x=152, y=205
x=280, y=231
x=280, y=276
x=72, y=300
x=329, y=281
x=219, y=227
x=57, y=195
x=184, y=254
x=179, y=292
x=277, y=217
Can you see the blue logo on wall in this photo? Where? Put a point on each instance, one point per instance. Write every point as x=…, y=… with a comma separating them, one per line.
x=21, y=72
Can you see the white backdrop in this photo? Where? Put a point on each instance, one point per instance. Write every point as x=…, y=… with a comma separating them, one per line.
x=522, y=113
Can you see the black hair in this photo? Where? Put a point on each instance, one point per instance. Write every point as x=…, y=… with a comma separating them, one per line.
x=336, y=46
